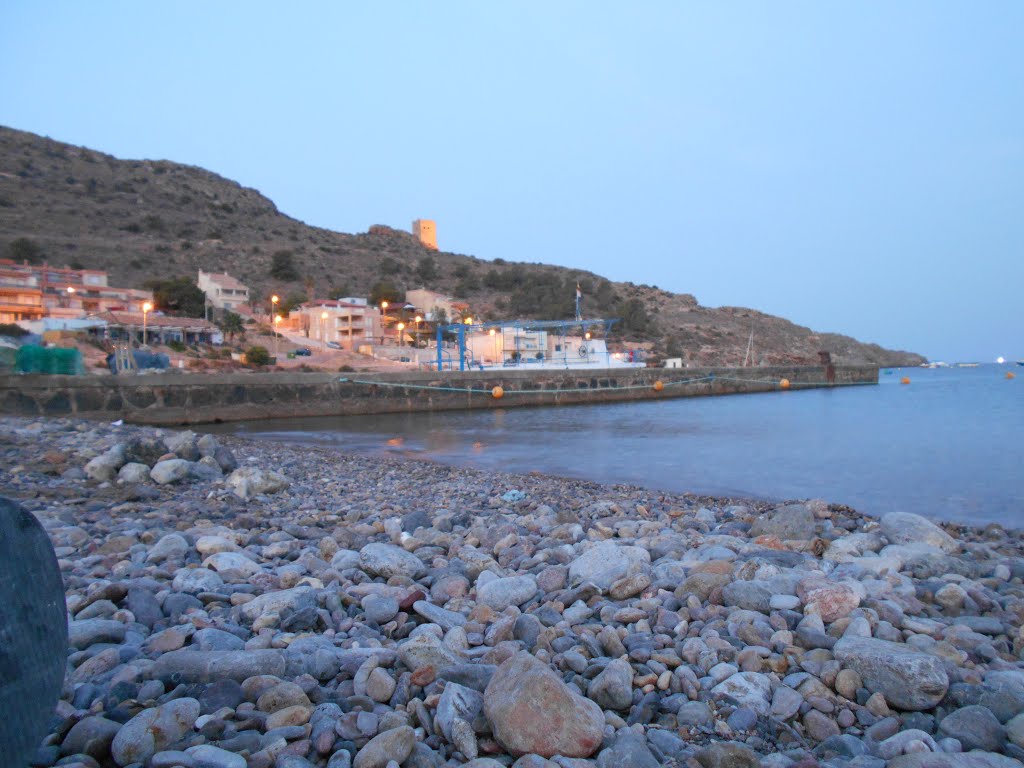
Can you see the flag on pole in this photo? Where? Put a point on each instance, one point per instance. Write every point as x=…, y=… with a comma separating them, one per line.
x=579, y=298
x=579, y=293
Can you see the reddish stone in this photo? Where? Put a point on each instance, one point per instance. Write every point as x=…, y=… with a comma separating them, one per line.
x=533, y=712
x=405, y=604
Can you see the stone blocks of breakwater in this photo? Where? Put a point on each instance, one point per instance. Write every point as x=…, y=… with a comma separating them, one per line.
x=183, y=398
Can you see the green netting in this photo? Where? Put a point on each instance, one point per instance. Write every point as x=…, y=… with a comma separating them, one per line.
x=56, y=360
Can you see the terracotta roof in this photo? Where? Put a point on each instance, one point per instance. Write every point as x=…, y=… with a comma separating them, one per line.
x=154, y=320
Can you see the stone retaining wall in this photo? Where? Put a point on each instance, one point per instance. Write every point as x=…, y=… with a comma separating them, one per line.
x=183, y=398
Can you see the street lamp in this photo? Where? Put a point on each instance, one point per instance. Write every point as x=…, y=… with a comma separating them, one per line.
x=273, y=304
x=468, y=321
x=145, y=315
x=383, y=320
x=401, y=327
x=323, y=328
x=419, y=319
x=277, y=322
x=494, y=342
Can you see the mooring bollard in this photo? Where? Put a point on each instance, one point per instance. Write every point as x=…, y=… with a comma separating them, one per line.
x=33, y=633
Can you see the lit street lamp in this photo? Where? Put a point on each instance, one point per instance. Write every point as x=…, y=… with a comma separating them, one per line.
x=419, y=319
x=401, y=328
x=277, y=322
x=323, y=329
x=383, y=320
x=145, y=316
x=273, y=304
x=494, y=343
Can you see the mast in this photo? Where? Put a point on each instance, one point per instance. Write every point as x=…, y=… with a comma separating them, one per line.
x=750, y=344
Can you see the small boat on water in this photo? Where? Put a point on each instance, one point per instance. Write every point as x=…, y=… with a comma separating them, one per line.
x=967, y=365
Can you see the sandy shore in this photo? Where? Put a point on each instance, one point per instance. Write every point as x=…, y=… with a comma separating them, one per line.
x=240, y=603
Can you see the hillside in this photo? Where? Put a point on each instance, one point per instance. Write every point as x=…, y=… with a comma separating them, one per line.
x=145, y=219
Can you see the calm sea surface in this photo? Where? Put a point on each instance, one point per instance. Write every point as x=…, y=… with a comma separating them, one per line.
x=950, y=445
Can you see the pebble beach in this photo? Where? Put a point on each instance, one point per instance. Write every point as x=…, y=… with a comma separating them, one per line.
x=243, y=604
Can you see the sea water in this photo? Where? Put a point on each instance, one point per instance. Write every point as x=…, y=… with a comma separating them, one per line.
x=949, y=445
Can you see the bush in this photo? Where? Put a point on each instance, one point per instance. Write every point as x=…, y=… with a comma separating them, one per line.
x=257, y=356
x=282, y=266
x=13, y=330
x=176, y=345
x=24, y=249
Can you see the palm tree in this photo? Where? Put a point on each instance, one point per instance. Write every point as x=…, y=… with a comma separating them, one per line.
x=231, y=324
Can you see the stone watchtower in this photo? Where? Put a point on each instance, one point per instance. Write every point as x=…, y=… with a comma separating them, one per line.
x=425, y=231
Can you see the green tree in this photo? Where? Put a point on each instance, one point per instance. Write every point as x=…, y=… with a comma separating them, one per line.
x=24, y=249
x=467, y=285
x=439, y=316
x=385, y=290
x=294, y=301
x=389, y=266
x=282, y=266
x=634, y=316
x=178, y=295
x=231, y=323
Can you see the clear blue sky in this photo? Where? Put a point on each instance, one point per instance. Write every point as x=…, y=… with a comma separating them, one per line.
x=854, y=167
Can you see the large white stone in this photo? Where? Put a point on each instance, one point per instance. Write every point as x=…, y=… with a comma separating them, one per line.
x=749, y=689
x=907, y=678
x=908, y=528
x=607, y=562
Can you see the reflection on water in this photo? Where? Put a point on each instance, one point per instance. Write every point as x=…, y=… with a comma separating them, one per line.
x=947, y=446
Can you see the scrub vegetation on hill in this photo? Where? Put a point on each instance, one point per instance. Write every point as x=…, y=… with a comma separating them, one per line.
x=155, y=220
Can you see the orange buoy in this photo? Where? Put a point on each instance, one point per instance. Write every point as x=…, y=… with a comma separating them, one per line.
x=784, y=383
x=497, y=393
x=905, y=380
x=1011, y=375
x=659, y=385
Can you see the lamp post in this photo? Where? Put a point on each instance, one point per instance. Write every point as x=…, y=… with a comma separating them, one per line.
x=273, y=305
x=494, y=343
x=277, y=322
x=383, y=320
x=145, y=316
x=419, y=319
x=323, y=329
x=401, y=329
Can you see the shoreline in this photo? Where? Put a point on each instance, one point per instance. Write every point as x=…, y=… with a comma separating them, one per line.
x=391, y=599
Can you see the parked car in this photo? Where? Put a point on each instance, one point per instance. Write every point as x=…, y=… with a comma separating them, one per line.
x=333, y=345
x=303, y=352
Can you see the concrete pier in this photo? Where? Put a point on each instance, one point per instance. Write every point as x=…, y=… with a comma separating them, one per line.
x=180, y=398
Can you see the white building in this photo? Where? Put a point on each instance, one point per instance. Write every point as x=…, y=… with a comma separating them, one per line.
x=347, y=322
x=541, y=345
x=222, y=290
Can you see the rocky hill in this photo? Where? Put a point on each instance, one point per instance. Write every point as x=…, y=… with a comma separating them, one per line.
x=146, y=219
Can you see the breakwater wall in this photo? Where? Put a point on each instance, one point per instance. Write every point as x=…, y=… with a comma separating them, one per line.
x=182, y=398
